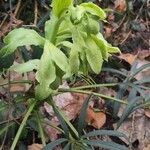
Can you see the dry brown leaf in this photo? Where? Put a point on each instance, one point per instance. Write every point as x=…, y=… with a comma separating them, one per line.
x=120, y=5
x=35, y=146
x=69, y=103
x=129, y=58
x=108, y=32
x=147, y=112
x=140, y=58
x=147, y=148
x=95, y=119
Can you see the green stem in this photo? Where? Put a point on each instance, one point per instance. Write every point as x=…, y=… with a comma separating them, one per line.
x=95, y=86
x=18, y=81
x=40, y=129
x=22, y=125
x=94, y=93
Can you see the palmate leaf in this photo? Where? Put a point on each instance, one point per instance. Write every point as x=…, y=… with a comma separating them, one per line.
x=94, y=10
x=20, y=37
x=59, y=6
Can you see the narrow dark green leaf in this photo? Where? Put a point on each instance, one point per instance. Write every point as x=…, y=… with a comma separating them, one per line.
x=61, y=120
x=106, y=145
x=67, y=147
x=53, y=144
x=139, y=70
x=143, y=81
x=128, y=110
x=82, y=115
x=104, y=132
x=114, y=71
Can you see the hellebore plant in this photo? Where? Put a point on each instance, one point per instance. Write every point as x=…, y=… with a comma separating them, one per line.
x=72, y=45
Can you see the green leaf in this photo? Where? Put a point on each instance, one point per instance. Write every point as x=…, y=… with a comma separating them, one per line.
x=93, y=55
x=51, y=27
x=111, y=49
x=58, y=6
x=46, y=72
x=58, y=57
x=26, y=67
x=94, y=10
x=76, y=14
x=104, y=132
x=101, y=43
x=128, y=110
x=67, y=147
x=20, y=37
x=82, y=115
x=105, y=145
x=42, y=91
x=53, y=144
x=93, y=26
x=74, y=60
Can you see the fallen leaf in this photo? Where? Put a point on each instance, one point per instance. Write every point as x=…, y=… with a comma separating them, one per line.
x=140, y=58
x=120, y=5
x=35, y=146
x=129, y=58
x=95, y=119
x=147, y=148
x=69, y=103
x=147, y=112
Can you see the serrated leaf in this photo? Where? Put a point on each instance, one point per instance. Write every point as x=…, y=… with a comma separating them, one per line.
x=74, y=60
x=26, y=67
x=94, y=9
x=58, y=57
x=20, y=37
x=93, y=55
x=59, y=6
x=46, y=73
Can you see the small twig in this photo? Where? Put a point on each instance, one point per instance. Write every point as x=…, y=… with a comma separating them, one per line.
x=17, y=8
x=35, y=13
x=3, y=20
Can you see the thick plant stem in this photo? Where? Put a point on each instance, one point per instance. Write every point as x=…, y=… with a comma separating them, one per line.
x=94, y=93
x=40, y=129
x=22, y=125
